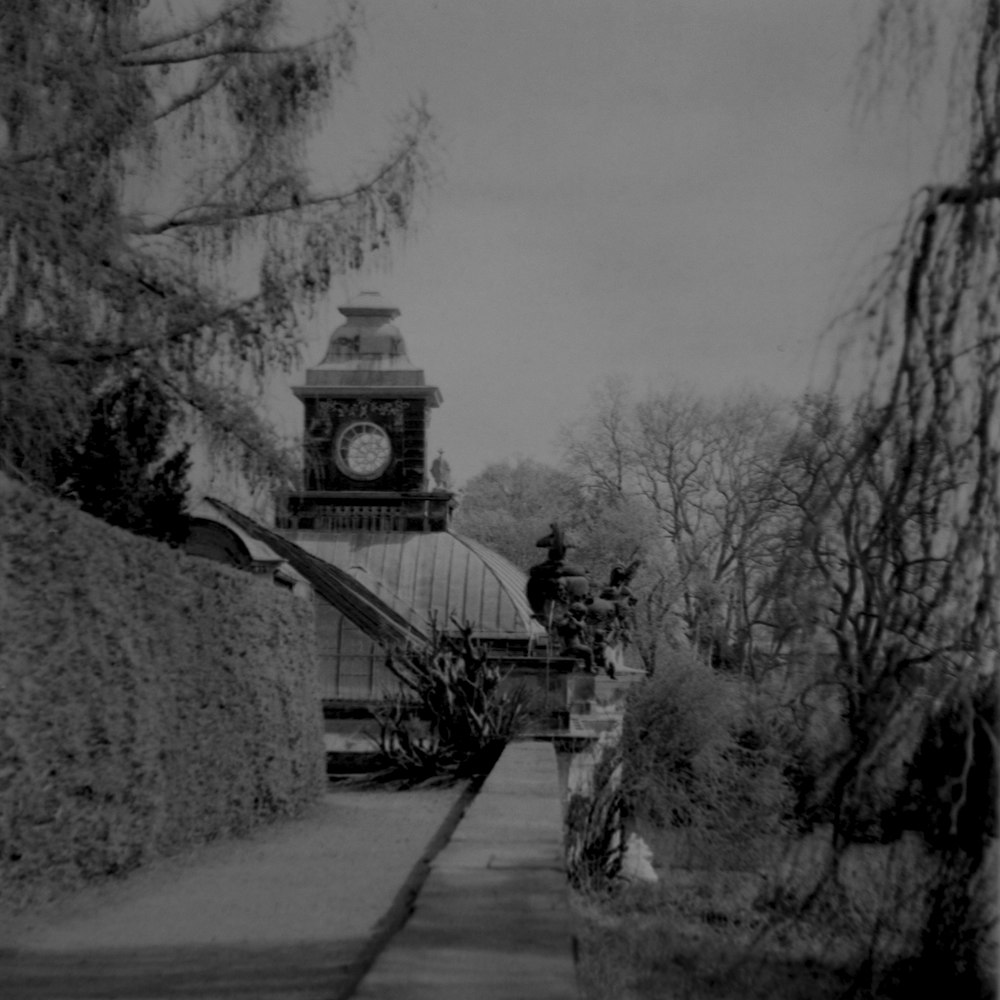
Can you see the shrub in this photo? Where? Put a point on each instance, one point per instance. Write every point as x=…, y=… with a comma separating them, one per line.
x=696, y=762
x=595, y=834
x=121, y=472
x=800, y=726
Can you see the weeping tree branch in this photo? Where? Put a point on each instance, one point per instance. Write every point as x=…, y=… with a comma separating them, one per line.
x=230, y=49
x=225, y=12
x=211, y=216
x=910, y=516
x=114, y=141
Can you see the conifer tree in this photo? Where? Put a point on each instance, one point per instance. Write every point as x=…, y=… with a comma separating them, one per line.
x=149, y=151
x=122, y=472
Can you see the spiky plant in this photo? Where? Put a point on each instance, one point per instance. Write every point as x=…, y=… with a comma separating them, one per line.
x=451, y=714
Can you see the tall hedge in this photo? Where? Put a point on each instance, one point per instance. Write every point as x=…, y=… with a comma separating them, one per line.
x=148, y=700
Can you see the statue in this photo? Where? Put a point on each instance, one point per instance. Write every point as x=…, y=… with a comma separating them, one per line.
x=572, y=630
x=593, y=629
x=618, y=591
x=554, y=581
x=441, y=471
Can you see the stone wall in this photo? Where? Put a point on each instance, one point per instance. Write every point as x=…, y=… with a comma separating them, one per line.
x=148, y=700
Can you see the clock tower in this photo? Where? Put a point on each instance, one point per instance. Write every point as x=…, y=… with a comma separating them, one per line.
x=366, y=413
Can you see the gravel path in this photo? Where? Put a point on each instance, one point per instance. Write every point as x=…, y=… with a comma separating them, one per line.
x=290, y=912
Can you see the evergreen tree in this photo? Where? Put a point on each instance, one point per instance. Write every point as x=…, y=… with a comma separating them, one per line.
x=151, y=154
x=122, y=472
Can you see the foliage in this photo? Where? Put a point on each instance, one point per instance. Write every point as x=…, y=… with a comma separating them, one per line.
x=900, y=531
x=695, y=762
x=452, y=714
x=595, y=832
x=512, y=507
x=150, y=702
x=693, y=939
x=931, y=439
x=860, y=541
x=156, y=214
x=509, y=506
x=702, y=471
x=121, y=472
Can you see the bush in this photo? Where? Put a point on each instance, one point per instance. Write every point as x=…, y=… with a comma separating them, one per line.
x=802, y=730
x=595, y=833
x=149, y=701
x=698, y=763
x=121, y=471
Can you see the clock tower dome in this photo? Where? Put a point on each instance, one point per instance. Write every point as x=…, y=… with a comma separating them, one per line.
x=366, y=413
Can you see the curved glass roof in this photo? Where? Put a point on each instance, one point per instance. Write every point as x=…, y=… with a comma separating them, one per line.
x=423, y=575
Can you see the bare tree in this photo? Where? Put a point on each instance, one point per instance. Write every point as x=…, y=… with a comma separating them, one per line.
x=145, y=149
x=902, y=506
x=705, y=472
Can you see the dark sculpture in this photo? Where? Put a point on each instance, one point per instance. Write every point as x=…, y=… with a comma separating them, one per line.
x=572, y=630
x=587, y=627
x=554, y=580
x=441, y=471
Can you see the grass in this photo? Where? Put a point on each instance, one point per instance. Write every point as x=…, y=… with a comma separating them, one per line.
x=699, y=942
x=706, y=933
x=713, y=776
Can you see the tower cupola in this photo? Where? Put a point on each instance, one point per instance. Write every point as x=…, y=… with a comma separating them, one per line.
x=368, y=338
x=367, y=408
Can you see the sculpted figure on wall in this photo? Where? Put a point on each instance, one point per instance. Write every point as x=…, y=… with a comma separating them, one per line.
x=441, y=472
x=594, y=628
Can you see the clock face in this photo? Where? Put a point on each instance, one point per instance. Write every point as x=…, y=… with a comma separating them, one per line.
x=363, y=450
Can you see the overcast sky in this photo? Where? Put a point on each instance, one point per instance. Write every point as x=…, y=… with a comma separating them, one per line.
x=675, y=190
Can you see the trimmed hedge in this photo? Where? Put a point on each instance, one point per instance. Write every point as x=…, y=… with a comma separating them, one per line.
x=148, y=700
